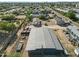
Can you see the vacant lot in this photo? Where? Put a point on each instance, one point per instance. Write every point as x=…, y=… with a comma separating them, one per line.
x=65, y=42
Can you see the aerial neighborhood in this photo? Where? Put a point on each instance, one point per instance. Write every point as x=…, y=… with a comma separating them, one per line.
x=39, y=29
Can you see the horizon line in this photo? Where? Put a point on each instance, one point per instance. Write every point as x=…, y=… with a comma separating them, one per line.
x=36, y=2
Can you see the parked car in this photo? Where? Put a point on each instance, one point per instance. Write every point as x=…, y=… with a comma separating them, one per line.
x=19, y=46
x=26, y=31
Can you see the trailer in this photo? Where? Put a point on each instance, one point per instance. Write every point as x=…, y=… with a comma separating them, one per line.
x=73, y=34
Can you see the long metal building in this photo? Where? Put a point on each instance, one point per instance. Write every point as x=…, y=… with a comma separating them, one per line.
x=43, y=42
x=73, y=34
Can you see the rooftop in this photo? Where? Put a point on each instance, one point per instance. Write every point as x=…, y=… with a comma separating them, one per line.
x=77, y=51
x=74, y=29
x=42, y=38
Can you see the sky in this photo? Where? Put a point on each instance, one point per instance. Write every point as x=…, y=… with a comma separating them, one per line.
x=37, y=0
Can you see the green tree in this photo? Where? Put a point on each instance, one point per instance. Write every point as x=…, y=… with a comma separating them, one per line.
x=28, y=15
x=42, y=17
x=71, y=14
x=7, y=26
x=16, y=12
x=8, y=17
x=10, y=27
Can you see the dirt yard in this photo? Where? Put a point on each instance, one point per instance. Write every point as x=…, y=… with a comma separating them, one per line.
x=62, y=37
x=65, y=42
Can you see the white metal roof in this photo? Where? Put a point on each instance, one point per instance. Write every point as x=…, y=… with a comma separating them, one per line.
x=74, y=29
x=42, y=38
x=76, y=51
